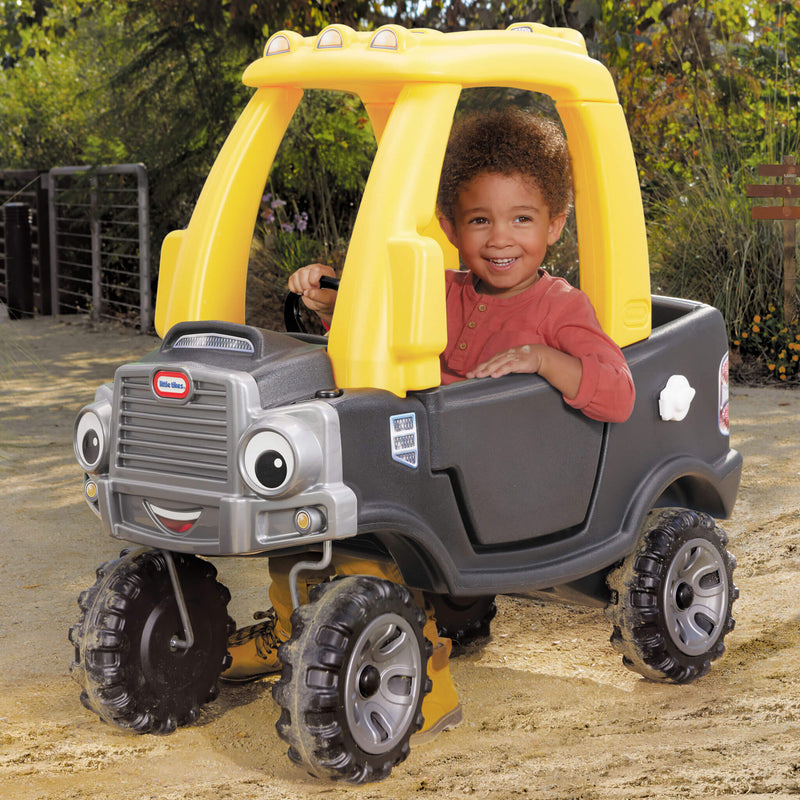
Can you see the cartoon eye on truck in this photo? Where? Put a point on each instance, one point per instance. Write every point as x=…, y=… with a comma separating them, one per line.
x=236, y=441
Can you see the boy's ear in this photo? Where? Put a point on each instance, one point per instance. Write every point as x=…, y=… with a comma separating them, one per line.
x=449, y=230
x=555, y=227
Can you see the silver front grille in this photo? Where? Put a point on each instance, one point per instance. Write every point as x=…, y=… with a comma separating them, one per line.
x=163, y=436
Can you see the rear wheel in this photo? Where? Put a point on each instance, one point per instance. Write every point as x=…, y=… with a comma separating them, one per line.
x=673, y=597
x=129, y=668
x=353, y=679
x=463, y=619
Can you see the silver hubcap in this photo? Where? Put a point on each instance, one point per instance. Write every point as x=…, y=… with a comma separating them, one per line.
x=696, y=596
x=382, y=683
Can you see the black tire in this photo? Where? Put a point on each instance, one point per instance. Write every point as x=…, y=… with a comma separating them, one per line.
x=129, y=673
x=353, y=679
x=672, y=597
x=463, y=619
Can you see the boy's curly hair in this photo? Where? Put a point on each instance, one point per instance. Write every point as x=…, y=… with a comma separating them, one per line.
x=507, y=142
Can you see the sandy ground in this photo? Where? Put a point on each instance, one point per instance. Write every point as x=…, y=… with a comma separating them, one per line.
x=550, y=712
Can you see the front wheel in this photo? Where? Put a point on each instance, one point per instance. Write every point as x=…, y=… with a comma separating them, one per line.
x=353, y=679
x=126, y=661
x=673, y=597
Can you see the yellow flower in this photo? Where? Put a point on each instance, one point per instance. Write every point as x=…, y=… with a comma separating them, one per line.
x=795, y=358
x=745, y=335
x=781, y=370
x=756, y=329
x=783, y=377
x=735, y=342
x=771, y=307
x=770, y=366
x=756, y=319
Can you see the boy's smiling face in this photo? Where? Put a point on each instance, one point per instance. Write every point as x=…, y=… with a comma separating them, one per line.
x=502, y=228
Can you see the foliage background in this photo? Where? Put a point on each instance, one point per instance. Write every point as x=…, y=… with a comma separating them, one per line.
x=708, y=88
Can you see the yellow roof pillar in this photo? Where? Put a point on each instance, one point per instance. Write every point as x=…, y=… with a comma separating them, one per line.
x=203, y=271
x=388, y=327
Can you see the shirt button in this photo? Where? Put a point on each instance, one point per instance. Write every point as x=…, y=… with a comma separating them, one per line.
x=482, y=307
x=462, y=346
x=472, y=324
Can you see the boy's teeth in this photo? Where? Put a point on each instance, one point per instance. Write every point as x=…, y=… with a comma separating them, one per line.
x=502, y=262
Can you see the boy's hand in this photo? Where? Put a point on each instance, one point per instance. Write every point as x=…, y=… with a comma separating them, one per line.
x=305, y=282
x=560, y=369
x=525, y=358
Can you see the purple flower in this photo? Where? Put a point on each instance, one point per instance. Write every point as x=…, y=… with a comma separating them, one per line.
x=287, y=227
x=266, y=198
x=277, y=203
x=301, y=221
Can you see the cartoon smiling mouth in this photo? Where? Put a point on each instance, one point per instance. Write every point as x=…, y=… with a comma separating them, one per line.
x=170, y=520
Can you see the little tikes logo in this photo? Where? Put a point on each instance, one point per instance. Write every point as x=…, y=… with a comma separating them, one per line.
x=171, y=385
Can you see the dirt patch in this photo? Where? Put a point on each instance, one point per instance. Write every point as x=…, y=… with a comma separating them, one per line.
x=549, y=710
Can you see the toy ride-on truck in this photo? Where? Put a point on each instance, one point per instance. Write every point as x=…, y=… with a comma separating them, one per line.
x=236, y=441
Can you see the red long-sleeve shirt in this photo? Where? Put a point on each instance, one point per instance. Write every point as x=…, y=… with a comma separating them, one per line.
x=550, y=312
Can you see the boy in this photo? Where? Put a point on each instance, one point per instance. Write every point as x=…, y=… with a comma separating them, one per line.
x=504, y=195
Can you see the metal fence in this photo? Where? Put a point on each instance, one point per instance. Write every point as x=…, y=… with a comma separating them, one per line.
x=29, y=187
x=100, y=242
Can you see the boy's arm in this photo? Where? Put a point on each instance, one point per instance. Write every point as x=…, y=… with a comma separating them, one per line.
x=606, y=391
x=600, y=384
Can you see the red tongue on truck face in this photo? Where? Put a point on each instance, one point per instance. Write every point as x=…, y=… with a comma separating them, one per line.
x=171, y=520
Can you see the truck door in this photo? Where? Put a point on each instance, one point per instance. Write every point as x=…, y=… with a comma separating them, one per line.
x=522, y=463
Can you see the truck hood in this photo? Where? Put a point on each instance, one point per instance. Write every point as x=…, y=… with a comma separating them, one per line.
x=287, y=368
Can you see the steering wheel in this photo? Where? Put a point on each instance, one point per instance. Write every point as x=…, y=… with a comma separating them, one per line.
x=291, y=306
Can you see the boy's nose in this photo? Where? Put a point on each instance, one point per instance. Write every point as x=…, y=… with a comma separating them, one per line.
x=499, y=235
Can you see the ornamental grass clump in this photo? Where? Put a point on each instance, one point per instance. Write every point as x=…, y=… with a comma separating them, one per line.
x=704, y=245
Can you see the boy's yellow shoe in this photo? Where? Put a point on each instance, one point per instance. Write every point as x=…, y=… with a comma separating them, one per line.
x=441, y=713
x=440, y=707
x=254, y=651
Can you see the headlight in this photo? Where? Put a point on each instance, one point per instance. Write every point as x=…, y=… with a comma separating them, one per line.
x=279, y=460
x=90, y=439
x=268, y=462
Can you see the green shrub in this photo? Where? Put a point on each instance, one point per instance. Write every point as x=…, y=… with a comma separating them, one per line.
x=282, y=244
x=768, y=349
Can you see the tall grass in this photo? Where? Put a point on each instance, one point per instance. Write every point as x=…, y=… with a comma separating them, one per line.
x=704, y=244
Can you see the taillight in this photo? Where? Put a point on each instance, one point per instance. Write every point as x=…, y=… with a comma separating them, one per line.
x=724, y=396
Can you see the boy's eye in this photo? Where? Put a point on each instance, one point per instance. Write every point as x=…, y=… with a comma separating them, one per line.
x=523, y=218
x=478, y=221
